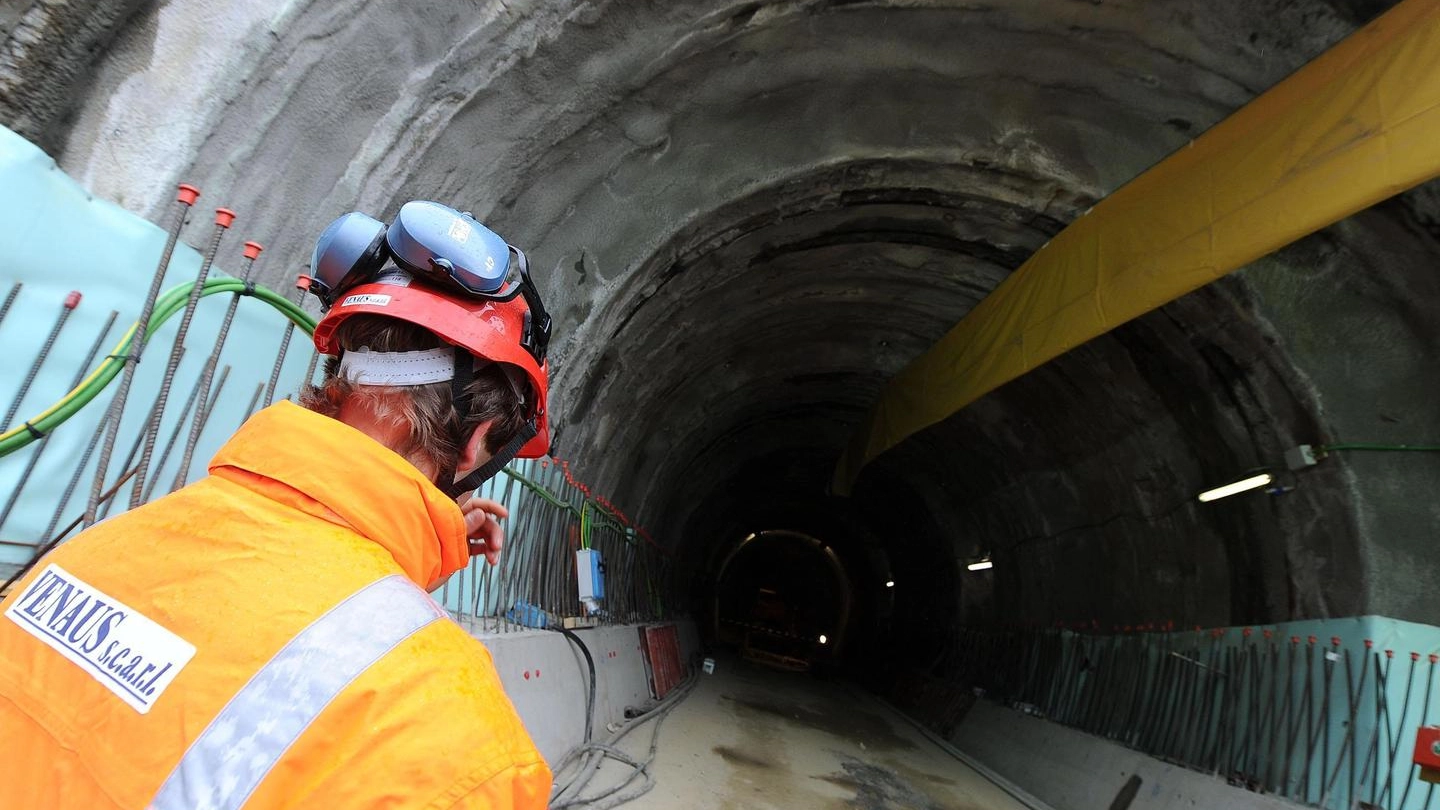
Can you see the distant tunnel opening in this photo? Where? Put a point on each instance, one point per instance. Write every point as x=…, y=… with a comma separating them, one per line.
x=783, y=597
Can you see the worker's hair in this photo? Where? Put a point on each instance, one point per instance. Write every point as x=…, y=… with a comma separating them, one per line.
x=425, y=409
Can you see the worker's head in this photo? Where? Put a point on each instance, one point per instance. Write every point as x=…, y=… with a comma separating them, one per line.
x=438, y=338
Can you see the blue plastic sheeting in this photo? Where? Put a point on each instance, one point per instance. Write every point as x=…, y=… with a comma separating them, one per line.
x=57, y=238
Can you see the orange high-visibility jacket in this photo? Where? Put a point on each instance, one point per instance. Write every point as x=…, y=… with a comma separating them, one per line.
x=260, y=639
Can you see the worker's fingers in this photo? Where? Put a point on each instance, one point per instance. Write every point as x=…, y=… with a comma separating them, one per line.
x=488, y=545
x=469, y=501
x=482, y=526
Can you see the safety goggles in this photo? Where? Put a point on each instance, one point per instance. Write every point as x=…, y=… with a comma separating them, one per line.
x=437, y=245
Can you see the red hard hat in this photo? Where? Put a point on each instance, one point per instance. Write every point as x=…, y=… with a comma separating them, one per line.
x=487, y=328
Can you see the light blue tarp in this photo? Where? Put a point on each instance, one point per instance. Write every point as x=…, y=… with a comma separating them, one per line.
x=55, y=238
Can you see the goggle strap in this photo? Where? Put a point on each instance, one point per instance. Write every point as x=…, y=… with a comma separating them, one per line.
x=460, y=383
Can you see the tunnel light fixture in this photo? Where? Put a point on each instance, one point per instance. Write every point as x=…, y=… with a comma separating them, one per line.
x=982, y=564
x=823, y=639
x=889, y=583
x=1242, y=485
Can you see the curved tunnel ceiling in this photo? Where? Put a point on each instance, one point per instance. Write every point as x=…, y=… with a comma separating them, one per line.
x=748, y=216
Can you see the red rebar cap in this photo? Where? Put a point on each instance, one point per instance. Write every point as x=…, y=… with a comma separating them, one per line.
x=1246, y=632
x=1369, y=643
x=1334, y=641
x=187, y=194
x=303, y=282
x=224, y=217
x=1434, y=658
x=1389, y=653
x=1414, y=656
x=1294, y=639
x=73, y=299
x=252, y=250
x=1312, y=639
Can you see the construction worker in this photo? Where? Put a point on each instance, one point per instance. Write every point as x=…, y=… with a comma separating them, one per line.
x=263, y=637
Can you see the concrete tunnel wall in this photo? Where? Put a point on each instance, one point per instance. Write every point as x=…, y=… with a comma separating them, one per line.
x=747, y=216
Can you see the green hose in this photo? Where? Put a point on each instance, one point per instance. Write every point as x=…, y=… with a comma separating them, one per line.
x=1420, y=447
x=166, y=305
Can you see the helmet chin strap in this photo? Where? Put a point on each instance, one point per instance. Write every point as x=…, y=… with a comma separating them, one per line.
x=434, y=365
x=464, y=371
x=490, y=468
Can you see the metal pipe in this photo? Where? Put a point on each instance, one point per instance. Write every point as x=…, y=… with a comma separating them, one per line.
x=254, y=400
x=41, y=552
x=152, y=417
x=280, y=361
x=186, y=198
x=1372, y=749
x=310, y=370
x=1330, y=657
x=1424, y=721
x=1385, y=794
x=72, y=300
x=195, y=401
x=45, y=440
x=1292, y=720
x=252, y=251
x=1352, y=692
x=10, y=299
x=224, y=217
x=75, y=477
x=1272, y=716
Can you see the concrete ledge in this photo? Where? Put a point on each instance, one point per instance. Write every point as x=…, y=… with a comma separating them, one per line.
x=547, y=679
x=1073, y=770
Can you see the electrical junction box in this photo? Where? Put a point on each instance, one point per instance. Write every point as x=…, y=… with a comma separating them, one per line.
x=591, y=576
x=1298, y=458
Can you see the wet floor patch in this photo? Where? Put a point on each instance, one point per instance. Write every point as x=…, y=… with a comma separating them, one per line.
x=879, y=788
x=737, y=757
x=854, y=724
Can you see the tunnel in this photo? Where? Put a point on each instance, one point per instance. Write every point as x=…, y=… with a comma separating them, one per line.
x=748, y=217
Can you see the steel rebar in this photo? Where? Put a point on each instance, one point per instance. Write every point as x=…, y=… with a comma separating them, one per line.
x=197, y=425
x=72, y=300
x=45, y=440
x=223, y=219
x=186, y=198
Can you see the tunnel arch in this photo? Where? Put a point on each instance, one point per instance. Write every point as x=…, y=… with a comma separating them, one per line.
x=762, y=144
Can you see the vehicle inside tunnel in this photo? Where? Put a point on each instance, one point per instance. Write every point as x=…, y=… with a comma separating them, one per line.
x=893, y=340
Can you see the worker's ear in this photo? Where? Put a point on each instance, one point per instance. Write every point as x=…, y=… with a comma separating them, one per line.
x=473, y=454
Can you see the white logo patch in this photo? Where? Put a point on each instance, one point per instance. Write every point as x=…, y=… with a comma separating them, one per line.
x=460, y=231
x=126, y=652
x=368, y=299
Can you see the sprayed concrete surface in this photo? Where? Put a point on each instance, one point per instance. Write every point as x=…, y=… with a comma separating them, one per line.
x=749, y=737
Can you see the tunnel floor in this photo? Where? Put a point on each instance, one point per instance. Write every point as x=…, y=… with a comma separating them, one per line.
x=756, y=738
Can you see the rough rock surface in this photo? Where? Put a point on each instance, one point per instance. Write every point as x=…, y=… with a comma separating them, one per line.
x=747, y=216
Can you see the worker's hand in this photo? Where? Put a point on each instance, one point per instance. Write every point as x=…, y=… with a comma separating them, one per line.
x=482, y=526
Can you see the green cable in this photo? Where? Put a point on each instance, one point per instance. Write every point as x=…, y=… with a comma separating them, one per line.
x=166, y=306
x=539, y=490
x=1419, y=447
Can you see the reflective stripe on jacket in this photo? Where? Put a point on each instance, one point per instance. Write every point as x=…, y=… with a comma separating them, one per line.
x=260, y=639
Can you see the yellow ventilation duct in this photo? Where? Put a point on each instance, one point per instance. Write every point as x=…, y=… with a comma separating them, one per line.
x=1357, y=125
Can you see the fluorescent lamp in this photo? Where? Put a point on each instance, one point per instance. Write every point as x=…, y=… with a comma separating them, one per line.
x=889, y=583
x=981, y=565
x=1239, y=486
